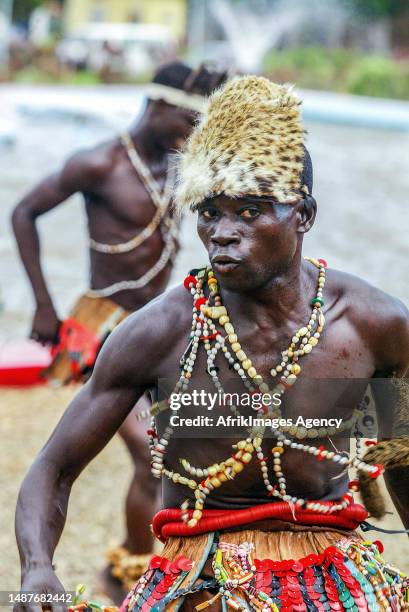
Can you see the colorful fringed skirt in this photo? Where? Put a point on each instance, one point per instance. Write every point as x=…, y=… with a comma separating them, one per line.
x=298, y=568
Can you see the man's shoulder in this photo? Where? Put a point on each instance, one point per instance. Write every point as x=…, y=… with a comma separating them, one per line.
x=362, y=299
x=93, y=164
x=382, y=318
x=173, y=307
x=164, y=318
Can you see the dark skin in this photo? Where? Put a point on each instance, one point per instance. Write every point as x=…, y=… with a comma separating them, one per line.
x=118, y=207
x=255, y=250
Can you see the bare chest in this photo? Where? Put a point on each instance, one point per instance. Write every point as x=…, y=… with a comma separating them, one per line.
x=331, y=382
x=122, y=204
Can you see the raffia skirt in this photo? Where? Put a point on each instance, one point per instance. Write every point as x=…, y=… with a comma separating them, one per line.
x=298, y=568
x=90, y=322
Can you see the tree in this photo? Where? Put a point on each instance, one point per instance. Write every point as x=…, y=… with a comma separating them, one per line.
x=22, y=9
x=379, y=8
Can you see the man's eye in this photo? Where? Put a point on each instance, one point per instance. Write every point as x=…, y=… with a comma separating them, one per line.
x=208, y=213
x=249, y=213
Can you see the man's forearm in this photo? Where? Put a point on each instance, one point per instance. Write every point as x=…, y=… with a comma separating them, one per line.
x=41, y=513
x=26, y=234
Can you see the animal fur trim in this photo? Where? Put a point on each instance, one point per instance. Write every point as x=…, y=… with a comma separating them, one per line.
x=391, y=454
x=249, y=142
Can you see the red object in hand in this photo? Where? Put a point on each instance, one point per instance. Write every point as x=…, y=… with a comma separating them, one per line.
x=81, y=344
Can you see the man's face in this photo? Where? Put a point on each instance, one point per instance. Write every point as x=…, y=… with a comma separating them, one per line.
x=172, y=125
x=250, y=240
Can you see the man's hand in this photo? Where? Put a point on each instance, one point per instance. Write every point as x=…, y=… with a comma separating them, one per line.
x=45, y=325
x=41, y=580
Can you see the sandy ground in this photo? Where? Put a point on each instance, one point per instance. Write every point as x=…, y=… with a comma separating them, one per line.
x=27, y=419
x=361, y=185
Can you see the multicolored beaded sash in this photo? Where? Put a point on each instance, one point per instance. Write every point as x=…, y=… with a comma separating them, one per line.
x=352, y=576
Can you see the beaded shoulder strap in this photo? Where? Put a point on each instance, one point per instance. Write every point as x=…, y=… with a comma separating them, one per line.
x=160, y=199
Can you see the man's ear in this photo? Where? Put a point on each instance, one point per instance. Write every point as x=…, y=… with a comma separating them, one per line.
x=308, y=212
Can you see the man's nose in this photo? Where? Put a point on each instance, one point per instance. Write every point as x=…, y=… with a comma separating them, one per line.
x=225, y=233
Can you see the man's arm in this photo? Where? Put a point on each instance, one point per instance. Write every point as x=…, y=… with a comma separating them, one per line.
x=392, y=401
x=122, y=372
x=78, y=174
x=130, y=362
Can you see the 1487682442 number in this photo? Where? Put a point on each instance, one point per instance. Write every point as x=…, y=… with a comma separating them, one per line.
x=26, y=597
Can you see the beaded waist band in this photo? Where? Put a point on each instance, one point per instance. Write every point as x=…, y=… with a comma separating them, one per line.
x=168, y=522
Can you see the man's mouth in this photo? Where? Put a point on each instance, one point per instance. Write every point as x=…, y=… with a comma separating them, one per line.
x=224, y=263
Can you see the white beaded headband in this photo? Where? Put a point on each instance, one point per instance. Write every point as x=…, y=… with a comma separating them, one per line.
x=176, y=97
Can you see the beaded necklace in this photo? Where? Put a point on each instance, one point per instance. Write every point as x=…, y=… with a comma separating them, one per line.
x=162, y=219
x=284, y=374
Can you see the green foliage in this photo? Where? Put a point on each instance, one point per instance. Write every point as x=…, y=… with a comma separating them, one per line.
x=23, y=8
x=310, y=66
x=340, y=70
x=378, y=8
x=84, y=77
x=379, y=76
x=368, y=8
x=32, y=75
